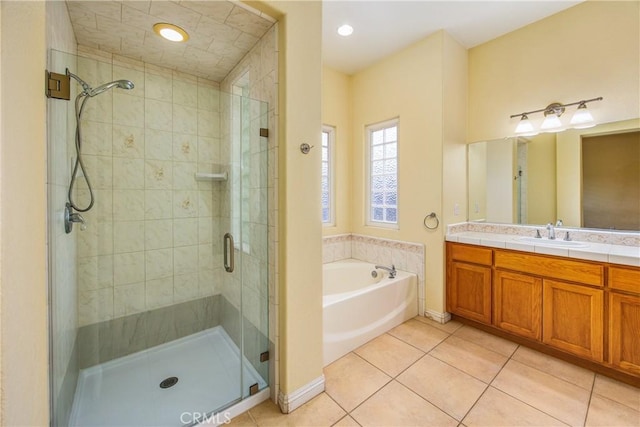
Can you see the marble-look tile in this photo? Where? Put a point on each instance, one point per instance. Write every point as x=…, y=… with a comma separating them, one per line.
x=128, y=268
x=469, y=357
x=128, y=141
x=558, y=398
x=396, y=405
x=158, y=144
x=496, y=408
x=389, y=354
x=158, y=234
x=158, y=115
x=419, y=334
x=556, y=367
x=605, y=412
x=319, y=411
x=350, y=380
x=486, y=340
x=158, y=263
x=128, y=110
x=456, y=392
x=618, y=391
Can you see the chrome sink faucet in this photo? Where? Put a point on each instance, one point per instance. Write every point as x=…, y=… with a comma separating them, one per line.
x=552, y=231
x=391, y=270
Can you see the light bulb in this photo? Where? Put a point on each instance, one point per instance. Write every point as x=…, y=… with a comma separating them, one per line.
x=582, y=118
x=525, y=127
x=345, y=30
x=551, y=123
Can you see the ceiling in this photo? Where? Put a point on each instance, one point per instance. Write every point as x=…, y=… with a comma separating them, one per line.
x=384, y=27
x=221, y=32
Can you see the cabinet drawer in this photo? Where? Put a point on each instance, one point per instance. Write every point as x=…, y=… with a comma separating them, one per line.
x=624, y=279
x=557, y=268
x=472, y=254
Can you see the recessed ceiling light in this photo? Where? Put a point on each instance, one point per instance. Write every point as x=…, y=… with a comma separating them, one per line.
x=345, y=30
x=171, y=32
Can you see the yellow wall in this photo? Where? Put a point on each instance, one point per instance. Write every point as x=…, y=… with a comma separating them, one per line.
x=419, y=85
x=23, y=371
x=300, y=229
x=336, y=112
x=586, y=51
x=541, y=180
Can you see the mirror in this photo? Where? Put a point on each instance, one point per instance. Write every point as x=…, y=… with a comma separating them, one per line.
x=588, y=178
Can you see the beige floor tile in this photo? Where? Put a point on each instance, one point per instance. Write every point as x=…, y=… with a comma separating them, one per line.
x=605, y=412
x=450, y=327
x=446, y=387
x=350, y=380
x=556, y=367
x=389, y=354
x=496, y=408
x=347, y=422
x=419, y=334
x=618, y=391
x=471, y=358
x=319, y=411
x=486, y=340
x=397, y=406
x=242, y=420
x=558, y=398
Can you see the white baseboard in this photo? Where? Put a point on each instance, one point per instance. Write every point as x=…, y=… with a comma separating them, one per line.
x=291, y=401
x=437, y=316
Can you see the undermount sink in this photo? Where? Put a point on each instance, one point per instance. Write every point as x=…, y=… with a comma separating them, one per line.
x=557, y=243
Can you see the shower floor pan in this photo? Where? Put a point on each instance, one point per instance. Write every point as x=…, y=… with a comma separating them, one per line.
x=127, y=392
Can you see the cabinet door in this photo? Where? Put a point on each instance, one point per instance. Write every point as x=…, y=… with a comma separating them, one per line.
x=469, y=291
x=517, y=304
x=573, y=318
x=624, y=331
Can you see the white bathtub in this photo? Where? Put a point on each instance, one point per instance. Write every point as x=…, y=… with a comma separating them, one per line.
x=358, y=307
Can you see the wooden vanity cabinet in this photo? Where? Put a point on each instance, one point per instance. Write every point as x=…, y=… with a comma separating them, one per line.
x=517, y=303
x=624, y=318
x=573, y=318
x=587, y=309
x=469, y=282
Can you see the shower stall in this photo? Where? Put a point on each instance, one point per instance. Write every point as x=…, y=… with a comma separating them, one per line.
x=159, y=301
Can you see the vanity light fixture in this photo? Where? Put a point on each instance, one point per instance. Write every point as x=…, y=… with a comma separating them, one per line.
x=345, y=30
x=170, y=32
x=581, y=119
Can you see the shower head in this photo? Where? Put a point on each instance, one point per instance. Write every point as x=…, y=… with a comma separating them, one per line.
x=85, y=86
x=88, y=91
x=122, y=84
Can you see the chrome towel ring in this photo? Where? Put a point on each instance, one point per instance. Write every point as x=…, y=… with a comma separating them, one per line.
x=432, y=215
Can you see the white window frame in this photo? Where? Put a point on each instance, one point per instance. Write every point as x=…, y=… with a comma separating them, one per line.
x=331, y=133
x=369, y=130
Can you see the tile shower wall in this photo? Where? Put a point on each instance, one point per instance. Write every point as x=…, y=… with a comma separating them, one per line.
x=150, y=236
x=405, y=256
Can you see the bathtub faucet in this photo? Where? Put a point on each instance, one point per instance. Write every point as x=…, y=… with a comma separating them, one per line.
x=391, y=270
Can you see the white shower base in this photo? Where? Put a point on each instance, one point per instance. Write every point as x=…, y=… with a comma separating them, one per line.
x=126, y=391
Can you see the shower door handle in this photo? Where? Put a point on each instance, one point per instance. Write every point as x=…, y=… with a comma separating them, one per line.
x=229, y=262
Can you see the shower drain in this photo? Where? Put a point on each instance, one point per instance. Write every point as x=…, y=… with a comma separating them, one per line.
x=169, y=382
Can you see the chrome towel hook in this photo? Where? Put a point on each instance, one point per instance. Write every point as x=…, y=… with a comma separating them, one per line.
x=432, y=215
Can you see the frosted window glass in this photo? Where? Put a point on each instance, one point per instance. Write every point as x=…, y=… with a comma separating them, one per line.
x=326, y=174
x=377, y=137
x=383, y=172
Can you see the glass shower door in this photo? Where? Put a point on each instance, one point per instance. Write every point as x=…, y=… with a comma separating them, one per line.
x=244, y=222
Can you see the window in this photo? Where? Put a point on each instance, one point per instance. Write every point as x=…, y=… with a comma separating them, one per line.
x=328, y=138
x=383, y=174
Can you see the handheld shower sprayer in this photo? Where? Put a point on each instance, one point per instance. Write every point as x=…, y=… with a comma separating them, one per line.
x=81, y=99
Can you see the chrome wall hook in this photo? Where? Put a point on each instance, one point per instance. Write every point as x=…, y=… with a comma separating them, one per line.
x=305, y=148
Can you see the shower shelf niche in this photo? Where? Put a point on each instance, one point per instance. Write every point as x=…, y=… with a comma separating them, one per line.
x=211, y=176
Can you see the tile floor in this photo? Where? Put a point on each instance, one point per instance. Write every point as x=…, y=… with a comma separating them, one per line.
x=422, y=373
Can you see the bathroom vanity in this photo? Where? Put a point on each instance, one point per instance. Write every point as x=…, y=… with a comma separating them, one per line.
x=571, y=301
